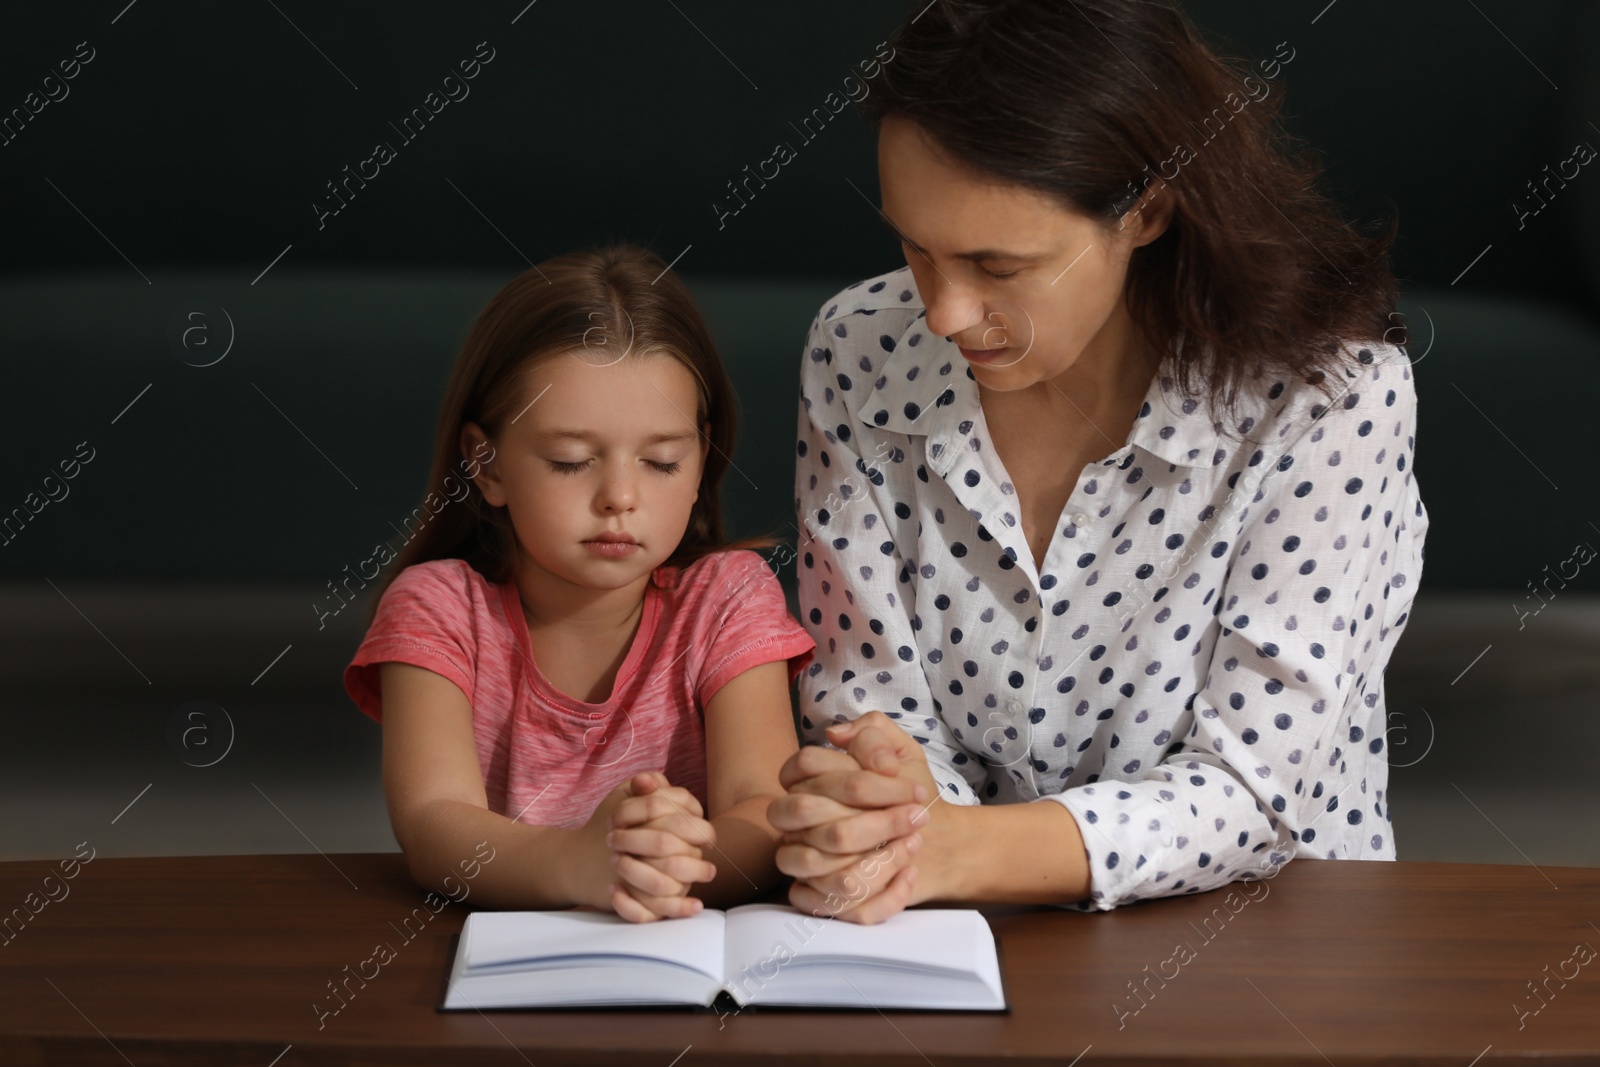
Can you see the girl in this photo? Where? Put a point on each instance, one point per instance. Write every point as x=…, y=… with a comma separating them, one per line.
x=569, y=663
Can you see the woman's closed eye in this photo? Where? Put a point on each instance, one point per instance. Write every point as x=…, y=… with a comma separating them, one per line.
x=985, y=270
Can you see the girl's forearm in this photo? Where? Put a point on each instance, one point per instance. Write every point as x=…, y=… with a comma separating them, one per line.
x=531, y=867
x=744, y=855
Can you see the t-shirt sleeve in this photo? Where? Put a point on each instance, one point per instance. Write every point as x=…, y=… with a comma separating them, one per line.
x=749, y=625
x=424, y=619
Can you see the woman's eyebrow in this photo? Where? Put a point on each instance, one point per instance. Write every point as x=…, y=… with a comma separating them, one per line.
x=974, y=256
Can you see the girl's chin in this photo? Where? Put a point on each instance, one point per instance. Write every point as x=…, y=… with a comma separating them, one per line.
x=587, y=569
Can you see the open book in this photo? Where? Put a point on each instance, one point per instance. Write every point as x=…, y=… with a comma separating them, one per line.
x=763, y=954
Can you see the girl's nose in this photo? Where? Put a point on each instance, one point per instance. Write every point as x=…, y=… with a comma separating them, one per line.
x=618, y=491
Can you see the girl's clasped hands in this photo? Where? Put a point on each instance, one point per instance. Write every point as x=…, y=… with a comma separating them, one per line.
x=651, y=834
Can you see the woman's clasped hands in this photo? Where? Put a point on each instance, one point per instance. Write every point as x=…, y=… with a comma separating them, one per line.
x=854, y=817
x=650, y=834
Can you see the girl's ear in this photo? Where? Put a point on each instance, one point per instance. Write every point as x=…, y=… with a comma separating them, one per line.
x=478, y=451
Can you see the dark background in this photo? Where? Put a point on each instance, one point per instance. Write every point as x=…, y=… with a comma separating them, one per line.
x=183, y=167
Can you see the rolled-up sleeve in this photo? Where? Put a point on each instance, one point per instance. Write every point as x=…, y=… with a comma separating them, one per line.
x=853, y=584
x=1286, y=755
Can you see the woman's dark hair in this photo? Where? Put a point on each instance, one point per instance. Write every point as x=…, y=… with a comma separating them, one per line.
x=1091, y=101
x=598, y=304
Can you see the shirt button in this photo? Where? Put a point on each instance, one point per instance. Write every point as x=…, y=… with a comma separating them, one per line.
x=1080, y=519
x=1014, y=706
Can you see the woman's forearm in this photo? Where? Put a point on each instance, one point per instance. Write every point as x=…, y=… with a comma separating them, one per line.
x=1031, y=853
x=532, y=867
x=746, y=845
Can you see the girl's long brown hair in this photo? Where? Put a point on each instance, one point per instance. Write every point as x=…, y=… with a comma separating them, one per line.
x=599, y=303
x=1257, y=272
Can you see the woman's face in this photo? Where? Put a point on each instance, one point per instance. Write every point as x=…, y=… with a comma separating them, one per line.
x=1002, y=267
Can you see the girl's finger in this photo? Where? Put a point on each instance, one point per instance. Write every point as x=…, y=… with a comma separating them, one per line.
x=696, y=831
x=682, y=800
x=625, y=905
x=678, y=907
x=641, y=876
x=653, y=840
x=656, y=805
x=686, y=869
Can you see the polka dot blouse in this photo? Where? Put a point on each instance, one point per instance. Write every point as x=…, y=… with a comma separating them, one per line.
x=1195, y=673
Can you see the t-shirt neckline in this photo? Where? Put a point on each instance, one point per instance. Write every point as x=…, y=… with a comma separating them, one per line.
x=643, y=638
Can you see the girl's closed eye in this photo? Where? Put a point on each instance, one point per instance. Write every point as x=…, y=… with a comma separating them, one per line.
x=574, y=468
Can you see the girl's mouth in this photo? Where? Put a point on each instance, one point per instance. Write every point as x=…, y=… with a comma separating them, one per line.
x=612, y=549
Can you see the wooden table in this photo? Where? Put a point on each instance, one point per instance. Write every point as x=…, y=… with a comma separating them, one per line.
x=226, y=960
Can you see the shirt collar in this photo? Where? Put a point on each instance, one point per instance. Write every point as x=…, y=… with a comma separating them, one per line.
x=925, y=387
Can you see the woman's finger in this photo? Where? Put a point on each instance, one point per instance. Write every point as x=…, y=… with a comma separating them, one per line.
x=814, y=865
x=794, y=812
x=868, y=901
x=807, y=810
x=873, y=740
x=827, y=797
x=860, y=832
x=803, y=861
x=864, y=789
x=895, y=898
x=813, y=760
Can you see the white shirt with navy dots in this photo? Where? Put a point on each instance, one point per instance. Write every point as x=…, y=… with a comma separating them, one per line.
x=1196, y=673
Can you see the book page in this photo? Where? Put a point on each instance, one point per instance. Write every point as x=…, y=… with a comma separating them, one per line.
x=499, y=941
x=932, y=957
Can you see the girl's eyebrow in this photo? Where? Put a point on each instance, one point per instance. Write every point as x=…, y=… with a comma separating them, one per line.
x=585, y=435
x=974, y=257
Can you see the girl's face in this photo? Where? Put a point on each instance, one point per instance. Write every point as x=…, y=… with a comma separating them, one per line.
x=595, y=450
x=1004, y=267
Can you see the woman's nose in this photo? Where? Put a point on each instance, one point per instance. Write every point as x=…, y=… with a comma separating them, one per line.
x=953, y=312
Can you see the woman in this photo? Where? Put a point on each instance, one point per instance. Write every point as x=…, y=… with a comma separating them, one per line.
x=1110, y=524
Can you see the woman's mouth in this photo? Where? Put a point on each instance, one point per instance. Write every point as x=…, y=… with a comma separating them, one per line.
x=988, y=355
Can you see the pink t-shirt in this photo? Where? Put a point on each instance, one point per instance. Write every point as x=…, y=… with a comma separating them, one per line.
x=548, y=759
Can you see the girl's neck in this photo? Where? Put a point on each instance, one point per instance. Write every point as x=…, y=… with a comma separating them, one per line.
x=550, y=602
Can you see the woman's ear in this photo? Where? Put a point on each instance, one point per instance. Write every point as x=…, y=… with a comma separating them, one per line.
x=1149, y=217
x=479, y=454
